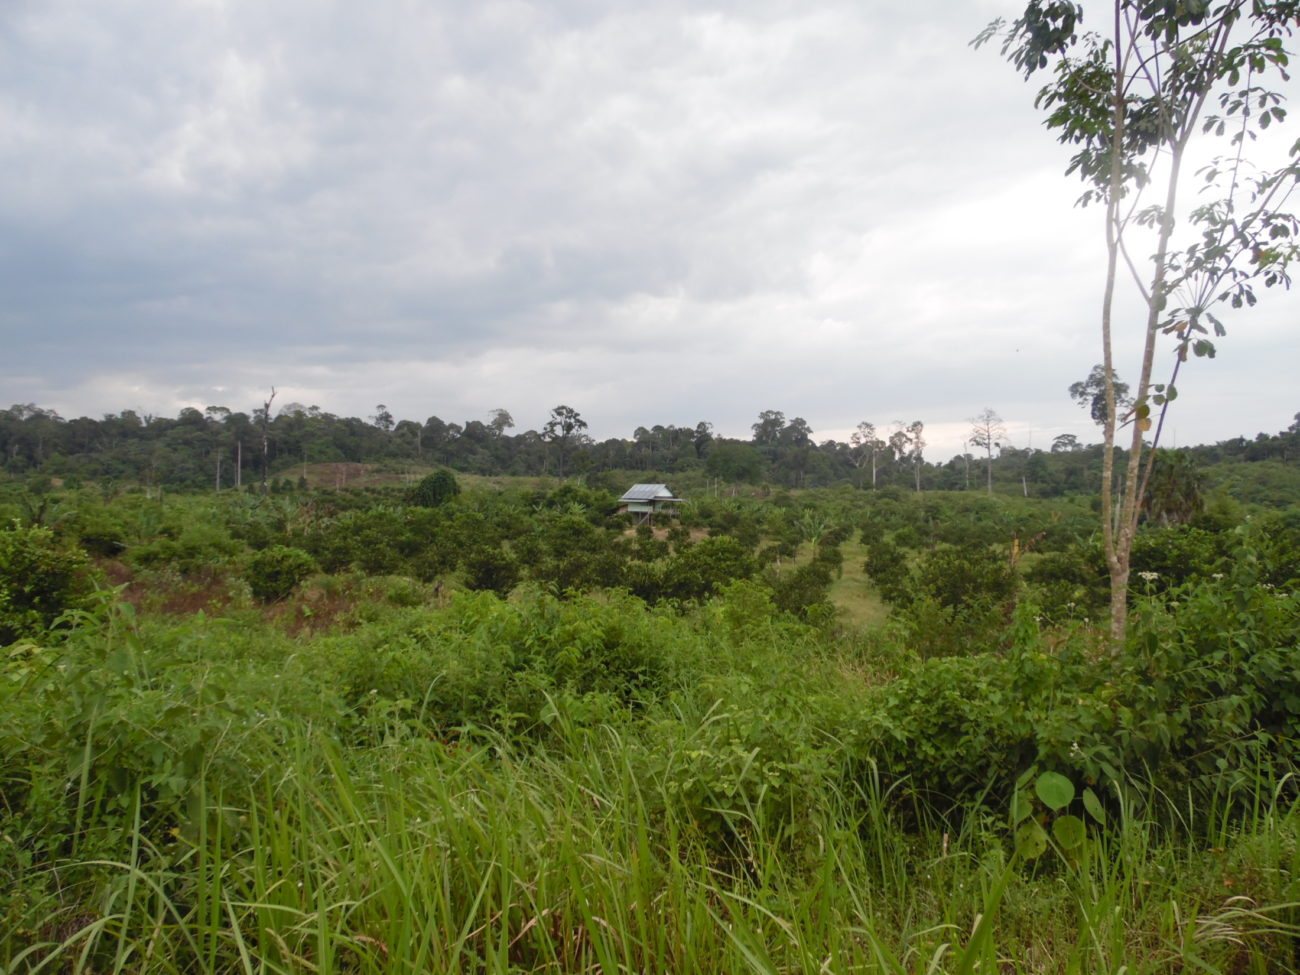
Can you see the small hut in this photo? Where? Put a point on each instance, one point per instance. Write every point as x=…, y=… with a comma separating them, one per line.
x=648, y=500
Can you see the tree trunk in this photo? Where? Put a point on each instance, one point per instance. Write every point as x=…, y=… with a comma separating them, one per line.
x=1117, y=568
x=266, y=423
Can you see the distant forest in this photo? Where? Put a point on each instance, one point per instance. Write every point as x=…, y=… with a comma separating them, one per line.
x=220, y=449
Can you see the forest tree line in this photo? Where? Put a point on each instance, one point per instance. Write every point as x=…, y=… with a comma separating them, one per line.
x=219, y=448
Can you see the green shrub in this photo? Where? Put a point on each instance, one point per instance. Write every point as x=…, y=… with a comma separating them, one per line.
x=957, y=577
x=491, y=568
x=486, y=663
x=703, y=569
x=1070, y=584
x=198, y=546
x=798, y=592
x=1177, y=554
x=100, y=530
x=886, y=567
x=756, y=761
x=566, y=552
x=40, y=579
x=436, y=489
x=114, y=735
x=960, y=601
x=273, y=573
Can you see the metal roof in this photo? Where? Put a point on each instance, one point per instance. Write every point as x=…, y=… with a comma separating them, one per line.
x=648, y=492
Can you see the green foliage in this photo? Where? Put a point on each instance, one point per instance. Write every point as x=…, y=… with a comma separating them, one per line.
x=1071, y=584
x=754, y=758
x=741, y=521
x=274, y=572
x=1175, y=491
x=1044, y=799
x=703, y=569
x=100, y=530
x=958, y=600
x=485, y=663
x=491, y=568
x=1090, y=394
x=436, y=489
x=958, y=595
x=960, y=578
x=196, y=547
x=735, y=462
x=1178, y=555
x=956, y=726
x=1205, y=692
x=41, y=578
x=574, y=499
x=387, y=540
x=802, y=591
x=569, y=553
x=887, y=568
x=131, y=738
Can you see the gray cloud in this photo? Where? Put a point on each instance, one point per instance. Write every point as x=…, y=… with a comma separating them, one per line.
x=661, y=213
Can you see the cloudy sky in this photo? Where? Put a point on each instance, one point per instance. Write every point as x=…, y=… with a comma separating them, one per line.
x=657, y=212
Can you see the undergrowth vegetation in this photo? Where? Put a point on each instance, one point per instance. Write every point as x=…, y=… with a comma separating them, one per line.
x=510, y=732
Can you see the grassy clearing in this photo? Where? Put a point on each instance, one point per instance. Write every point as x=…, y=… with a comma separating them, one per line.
x=852, y=592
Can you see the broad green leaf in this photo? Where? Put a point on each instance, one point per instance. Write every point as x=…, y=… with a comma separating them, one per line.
x=1031, y=840
x=1069, y=831
x=1055, y=790
x=1093, y=805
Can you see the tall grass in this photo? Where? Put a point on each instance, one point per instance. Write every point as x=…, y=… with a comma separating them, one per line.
x=418, y=855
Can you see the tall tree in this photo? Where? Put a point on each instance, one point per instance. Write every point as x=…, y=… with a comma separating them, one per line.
x=500, y=422
x=732, y=460
x=701, y=438
x=987, y=432
x=898, y=442
x=767, y=431
x=564, y=430
x=1131, y=98
x=916, y=447
x=382, y=418
x=264, y=424
x=1090, y=393
x=908, y=443
x=797, y=433
x=867, y=445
